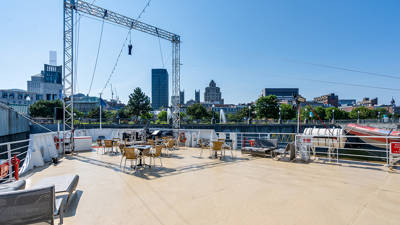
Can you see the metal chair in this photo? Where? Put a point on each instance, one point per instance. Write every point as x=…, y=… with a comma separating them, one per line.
x=203, y=146
x=217, y=147
x=130, y=154
x=108, y=144
x=122, y=149
x=100, y=144
x=156, y=153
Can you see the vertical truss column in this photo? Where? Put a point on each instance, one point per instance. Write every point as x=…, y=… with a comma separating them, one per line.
x=68, y=74
x=176, y=85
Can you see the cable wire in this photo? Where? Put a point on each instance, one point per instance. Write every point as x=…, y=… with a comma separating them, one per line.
x=97, y=57
x=123, y=46
x=343, y=69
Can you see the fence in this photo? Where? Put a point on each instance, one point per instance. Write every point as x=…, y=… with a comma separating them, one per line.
x=12, y=154
x=384, y=150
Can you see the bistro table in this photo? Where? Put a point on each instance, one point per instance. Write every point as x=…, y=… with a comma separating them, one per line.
x=141, y=148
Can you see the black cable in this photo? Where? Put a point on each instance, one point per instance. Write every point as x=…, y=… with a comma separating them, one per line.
x=343, y=69
x=97, y=57
x=123, y=46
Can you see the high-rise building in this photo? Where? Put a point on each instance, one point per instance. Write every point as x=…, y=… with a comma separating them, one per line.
x=53, y=58
x=48, y=84
x=159, y=88
x=182, y=97
x=284, y=95
x=197, y=96
x=213, y=94
x=329, y=99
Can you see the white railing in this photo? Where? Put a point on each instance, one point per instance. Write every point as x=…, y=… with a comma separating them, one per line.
x=375, y=149
x=8, y=152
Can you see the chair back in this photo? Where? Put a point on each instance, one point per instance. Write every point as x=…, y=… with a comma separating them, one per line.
x=108, y=143
x=28, y=206
x=171, y=143
x=121, y=148
x=99, y=142
x=151, y=142
x=217, y=145
x=158, y=151
x=130, y=153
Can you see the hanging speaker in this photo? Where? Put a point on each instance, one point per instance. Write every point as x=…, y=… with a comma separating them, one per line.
x=58, y=113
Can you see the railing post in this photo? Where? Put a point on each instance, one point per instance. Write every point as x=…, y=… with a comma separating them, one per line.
x=9, y=162
x=387, y=152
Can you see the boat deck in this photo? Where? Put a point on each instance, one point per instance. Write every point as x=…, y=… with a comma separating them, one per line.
x=243, y=190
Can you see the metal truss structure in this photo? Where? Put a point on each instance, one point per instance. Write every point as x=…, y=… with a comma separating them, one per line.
x=71, y=6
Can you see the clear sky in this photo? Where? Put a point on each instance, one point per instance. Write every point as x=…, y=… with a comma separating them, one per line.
x=242, y=45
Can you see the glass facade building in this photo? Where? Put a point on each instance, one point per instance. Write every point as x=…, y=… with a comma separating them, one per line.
x=159, y=88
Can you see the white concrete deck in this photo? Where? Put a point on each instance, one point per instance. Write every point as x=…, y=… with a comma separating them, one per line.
x=245, y=190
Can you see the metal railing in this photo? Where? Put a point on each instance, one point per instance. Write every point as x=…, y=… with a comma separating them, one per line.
x=9, y=151
x=341, y=148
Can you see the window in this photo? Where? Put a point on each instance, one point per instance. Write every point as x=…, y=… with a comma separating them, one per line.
x=11, y=95
x=20, y=96
x=5, y=95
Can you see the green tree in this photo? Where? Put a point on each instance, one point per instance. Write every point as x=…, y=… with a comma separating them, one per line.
x=44, y=108
x=197, y=112
x=138, y=104
x=163, y=116
x=267, y=107
x=95, y=113
x=365, y=113
x=288, y=112
x=122, y=113
x=319, y=110
x=339, y=114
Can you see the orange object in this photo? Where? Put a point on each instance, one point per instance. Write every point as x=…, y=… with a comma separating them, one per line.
x=252, y=143
x=4, y=170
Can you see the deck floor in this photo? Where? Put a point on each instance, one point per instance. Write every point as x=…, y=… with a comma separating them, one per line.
x=244, y=190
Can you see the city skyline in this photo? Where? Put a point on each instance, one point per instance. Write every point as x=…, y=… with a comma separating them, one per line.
x=242, y=68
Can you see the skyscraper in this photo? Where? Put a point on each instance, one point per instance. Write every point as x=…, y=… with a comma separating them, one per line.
x=197, y=96
x=159, y=88
x=182, y=97
x=213, y=94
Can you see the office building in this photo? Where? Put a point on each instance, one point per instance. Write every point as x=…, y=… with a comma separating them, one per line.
x=329, y=99
x=159, y=88
x=347, y=102
x=368, y=102
x=182, y=97
x=18, y=97
x=212, y=94
x=284, y=95
x=47, y=84
x=197, y=96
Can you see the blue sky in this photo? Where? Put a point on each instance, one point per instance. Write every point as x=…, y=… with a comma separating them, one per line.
x=242, y=45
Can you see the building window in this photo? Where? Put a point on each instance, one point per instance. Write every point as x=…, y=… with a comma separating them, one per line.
x=20, y=96
x=5, y=95
x=11, y=95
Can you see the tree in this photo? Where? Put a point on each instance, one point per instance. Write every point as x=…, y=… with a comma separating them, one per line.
x=288, y=112
x=197, y=111
x=138, y=104
x=316, y=113
x=44, y=108
x=122, y=113
x=267, y=107
x=95, y=113
x=365, y=113
x=163, y=116
x=339, y=114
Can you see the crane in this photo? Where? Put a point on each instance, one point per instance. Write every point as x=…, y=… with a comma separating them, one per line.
x=73, y=6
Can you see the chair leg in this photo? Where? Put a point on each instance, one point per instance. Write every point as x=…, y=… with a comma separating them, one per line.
x=160, y=160
x=124, y=166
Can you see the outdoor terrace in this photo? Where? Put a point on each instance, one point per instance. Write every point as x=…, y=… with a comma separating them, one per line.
x=241, y=190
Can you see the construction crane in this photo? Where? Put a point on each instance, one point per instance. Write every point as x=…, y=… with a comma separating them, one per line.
x=73, y=6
